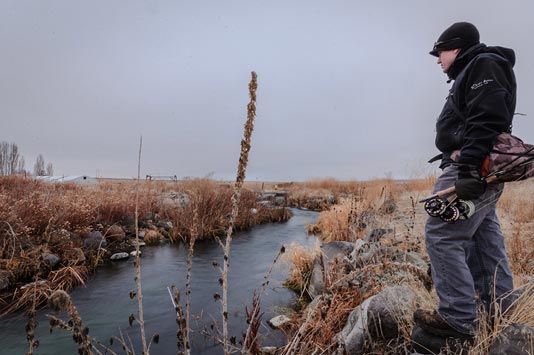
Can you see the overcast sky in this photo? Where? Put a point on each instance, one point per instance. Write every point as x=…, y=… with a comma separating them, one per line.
x=346, y=89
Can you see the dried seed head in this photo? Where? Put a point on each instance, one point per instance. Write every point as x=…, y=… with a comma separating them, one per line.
x=59, y=301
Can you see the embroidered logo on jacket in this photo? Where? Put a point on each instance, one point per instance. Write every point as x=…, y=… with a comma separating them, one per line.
x=482, y=83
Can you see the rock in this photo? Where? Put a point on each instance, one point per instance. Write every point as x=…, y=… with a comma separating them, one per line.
x=115, y=232
x=268, y=350
x=94, y=241
x=167, y=225
x=133, y=243
x=134, y=253
x=416, y=259
x=378, y=317
x=329, y=252
x=376, y=234
x=354, y=334
x=4, y=279
x=516, y=339
x=358, y=245
x=51, y=259
x=120, y=256
x=337, y=249
x=278, y=321
x=390, y=307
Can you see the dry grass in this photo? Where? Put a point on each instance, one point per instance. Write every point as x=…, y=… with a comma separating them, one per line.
x=39, y=218
x=340, y=222
x=300, y=260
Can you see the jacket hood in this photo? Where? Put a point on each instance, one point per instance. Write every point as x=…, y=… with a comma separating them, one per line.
x=466, y=56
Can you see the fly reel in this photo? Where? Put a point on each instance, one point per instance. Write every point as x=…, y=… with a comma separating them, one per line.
x=449, y=212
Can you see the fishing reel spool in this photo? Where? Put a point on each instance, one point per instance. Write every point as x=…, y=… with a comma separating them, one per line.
x=449, y=212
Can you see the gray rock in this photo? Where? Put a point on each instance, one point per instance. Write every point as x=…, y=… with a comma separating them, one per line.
x=120, y=256
x=329, y=252
x=355, y=334
x=167, y=225
x=516, y=339
x=377, y=233
x=94, y=240
x=278, y=321
x=337, y=249
x=377, y=318
x=390, y=307
x=316, y=286
x=133, y=243
x=416, y=259
x=51, y=259
x=268, y=350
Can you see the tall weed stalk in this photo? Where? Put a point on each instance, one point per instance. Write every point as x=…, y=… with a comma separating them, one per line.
x=236, y=196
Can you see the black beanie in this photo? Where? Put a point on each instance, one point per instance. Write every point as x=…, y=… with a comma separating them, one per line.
x=460, y=35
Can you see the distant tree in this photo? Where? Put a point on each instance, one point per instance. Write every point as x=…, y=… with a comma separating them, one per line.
x=21, y=168
x=39, y=166
x=9, y=158
x=49, y=169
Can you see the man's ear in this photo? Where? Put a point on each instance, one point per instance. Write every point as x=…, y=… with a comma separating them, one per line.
x=456, y=51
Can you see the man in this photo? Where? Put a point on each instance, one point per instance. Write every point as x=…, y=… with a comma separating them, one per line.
x=468, y=257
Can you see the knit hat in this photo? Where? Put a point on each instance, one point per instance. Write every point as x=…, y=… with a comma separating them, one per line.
x=460, y=35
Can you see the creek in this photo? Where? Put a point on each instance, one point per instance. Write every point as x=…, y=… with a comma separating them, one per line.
x=104, y=303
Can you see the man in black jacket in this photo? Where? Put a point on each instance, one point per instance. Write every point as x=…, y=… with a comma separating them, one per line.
x=468, y=257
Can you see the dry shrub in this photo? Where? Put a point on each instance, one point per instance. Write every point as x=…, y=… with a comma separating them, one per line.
x=516, y=201
x=37, y=293
x=301, y=261
x=350, y=219
x=328, y=319
x=212, y=203
x=522, y=312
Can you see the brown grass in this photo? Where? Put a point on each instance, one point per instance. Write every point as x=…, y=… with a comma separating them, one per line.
x=37, y=218
x=339, y=222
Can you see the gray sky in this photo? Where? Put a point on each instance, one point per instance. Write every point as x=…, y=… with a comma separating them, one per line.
x=346, y=89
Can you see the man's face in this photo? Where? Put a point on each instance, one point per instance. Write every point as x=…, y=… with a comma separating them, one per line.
x=446, y=58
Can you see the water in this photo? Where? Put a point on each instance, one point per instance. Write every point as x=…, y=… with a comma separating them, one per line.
x=104, y=304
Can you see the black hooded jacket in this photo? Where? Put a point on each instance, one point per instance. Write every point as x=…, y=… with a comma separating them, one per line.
x=480, y=105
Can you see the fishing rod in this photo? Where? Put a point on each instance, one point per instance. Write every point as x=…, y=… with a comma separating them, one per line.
x=446, y=205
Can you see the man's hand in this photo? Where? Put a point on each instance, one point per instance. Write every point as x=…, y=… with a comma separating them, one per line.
x=469, y=185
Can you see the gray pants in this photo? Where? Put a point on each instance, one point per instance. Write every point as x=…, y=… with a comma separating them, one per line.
x=468, y=257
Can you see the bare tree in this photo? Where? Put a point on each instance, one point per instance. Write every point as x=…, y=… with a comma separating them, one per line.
x=21, y=168
x=39, y=166
x=9, y=158
x=49, y=169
